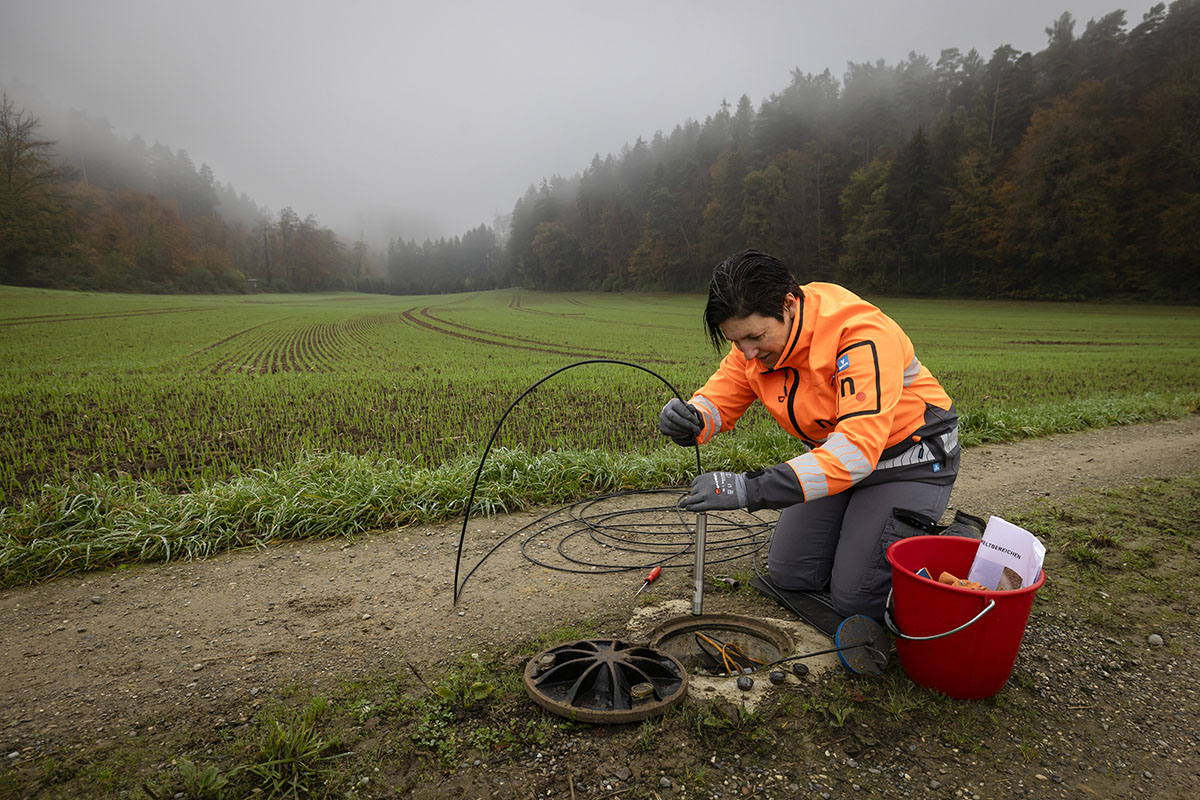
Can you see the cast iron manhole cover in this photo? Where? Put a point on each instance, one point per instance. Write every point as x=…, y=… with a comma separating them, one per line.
x=605, y=680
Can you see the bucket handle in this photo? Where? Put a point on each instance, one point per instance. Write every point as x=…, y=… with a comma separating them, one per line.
x=887, y=618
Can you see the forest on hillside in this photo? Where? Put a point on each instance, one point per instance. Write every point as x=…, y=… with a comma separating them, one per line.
x=89, y=210
x=1070, y=173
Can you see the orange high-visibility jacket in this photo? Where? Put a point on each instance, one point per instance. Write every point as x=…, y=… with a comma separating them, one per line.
x=848, y=385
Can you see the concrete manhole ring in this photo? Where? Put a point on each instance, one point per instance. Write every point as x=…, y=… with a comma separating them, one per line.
x=758, y=639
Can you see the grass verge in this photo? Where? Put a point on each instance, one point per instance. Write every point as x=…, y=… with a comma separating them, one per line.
x=99, y=522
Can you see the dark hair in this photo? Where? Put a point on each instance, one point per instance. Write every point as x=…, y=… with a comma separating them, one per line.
x=749, y=282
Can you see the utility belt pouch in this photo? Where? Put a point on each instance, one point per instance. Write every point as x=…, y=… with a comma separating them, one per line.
x=906, y=522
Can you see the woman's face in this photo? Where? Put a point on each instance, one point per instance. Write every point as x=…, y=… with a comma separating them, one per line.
x=761, y=337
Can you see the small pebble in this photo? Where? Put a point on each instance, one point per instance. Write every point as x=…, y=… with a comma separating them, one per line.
x=1155, y=640
x=745, y=683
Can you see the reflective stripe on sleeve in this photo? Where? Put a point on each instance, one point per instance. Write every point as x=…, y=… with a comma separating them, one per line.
x=811, y=476
x=709, y=409
x=845, y=451
x=912, y=371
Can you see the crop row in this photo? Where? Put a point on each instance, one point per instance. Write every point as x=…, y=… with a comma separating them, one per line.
x=207, y=427
x=287, y=346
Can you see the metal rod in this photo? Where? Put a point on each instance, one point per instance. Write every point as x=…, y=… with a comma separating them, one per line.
x=701, y=536
x=825, y=652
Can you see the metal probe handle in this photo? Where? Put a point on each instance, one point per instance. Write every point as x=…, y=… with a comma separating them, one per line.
x=701, y=535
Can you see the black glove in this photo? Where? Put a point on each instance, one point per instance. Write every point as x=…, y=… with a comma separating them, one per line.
x=716, y=491
x=681, y=422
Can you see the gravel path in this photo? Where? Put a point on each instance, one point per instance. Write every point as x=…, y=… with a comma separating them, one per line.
x=151, y=648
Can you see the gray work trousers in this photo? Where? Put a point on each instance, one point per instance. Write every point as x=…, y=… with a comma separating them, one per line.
x=838, y=542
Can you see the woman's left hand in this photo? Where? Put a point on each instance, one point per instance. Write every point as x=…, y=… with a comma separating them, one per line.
x=716, y=491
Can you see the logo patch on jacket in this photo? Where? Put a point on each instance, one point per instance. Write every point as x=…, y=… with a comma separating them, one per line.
x=857, y=378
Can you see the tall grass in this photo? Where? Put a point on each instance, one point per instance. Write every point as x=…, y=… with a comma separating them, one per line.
x=102, y=522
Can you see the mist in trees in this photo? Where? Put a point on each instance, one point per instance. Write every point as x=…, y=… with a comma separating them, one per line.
x=474, y=261
x=1073, y=172
x=91, y=211
x=1069, y=173
x=34, y=213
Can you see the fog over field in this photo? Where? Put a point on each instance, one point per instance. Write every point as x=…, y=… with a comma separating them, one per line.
x=429, y=118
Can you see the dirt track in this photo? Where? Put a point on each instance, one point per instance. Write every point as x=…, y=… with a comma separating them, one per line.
x=149, y=649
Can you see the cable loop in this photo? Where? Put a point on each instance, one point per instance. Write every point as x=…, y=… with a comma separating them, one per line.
x=619, y=540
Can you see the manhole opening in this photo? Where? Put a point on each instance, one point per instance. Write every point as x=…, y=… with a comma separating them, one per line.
x=721, y=645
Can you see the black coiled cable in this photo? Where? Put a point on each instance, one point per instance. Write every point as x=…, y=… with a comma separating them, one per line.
x=726, y=536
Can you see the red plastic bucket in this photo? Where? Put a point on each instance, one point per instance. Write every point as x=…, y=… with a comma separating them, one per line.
x=962, y=642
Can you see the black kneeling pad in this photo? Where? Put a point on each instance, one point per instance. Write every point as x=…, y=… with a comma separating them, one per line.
x=815, y=608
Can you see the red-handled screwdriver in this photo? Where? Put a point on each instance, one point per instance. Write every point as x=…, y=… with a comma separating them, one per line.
x=654, y=573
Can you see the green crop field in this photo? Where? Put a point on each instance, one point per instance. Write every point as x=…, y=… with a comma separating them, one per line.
x=175, y=389
x=120, y=402
x=172, y=390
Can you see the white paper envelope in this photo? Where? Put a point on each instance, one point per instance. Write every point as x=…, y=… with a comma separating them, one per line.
x=1008, y=557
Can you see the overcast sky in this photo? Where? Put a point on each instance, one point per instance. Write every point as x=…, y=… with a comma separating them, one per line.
x=438, y=114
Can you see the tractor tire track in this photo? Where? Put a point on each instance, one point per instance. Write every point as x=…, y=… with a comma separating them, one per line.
x=515, y=305
x=428, y=314
x=411, y=316
x=83, y=317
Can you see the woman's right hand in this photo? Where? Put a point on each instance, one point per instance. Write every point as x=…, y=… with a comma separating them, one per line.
x=681, y=422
